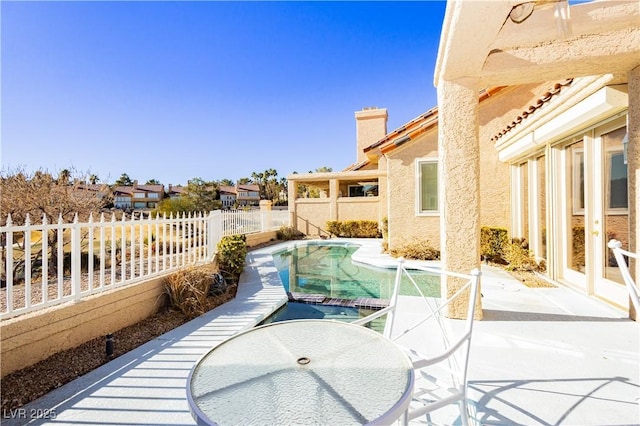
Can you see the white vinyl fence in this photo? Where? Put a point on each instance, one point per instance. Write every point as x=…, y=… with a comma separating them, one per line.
x=50, y=263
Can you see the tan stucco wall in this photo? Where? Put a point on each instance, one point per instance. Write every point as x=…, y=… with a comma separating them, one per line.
x=261, y=237
x=361, y=208
x=33, y=337
x=404, y=224
x=312, y=215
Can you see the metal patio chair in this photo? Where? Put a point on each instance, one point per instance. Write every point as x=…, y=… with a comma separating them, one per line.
x=632, y=288
x=441, y=378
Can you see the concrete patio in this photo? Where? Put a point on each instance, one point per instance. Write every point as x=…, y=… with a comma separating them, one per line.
x=540, y=356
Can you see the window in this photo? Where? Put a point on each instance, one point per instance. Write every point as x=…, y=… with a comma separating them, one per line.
x=139, y=195
x=366, y=190
x=427, y=173
x=617, y=181
x=577, y=168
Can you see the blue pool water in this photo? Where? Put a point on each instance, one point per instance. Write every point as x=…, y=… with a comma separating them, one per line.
x=327, y=269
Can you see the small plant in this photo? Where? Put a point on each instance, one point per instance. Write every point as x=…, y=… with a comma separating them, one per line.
x=354, y=228
x=492, y=244
x=232, y=251
x=287, y=233
x=519, y=257
x=417, y=249
x=194, y=290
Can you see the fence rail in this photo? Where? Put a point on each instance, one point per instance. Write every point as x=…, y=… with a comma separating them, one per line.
x=47, y=264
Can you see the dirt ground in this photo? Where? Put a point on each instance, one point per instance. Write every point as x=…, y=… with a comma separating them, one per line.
x=26, y=385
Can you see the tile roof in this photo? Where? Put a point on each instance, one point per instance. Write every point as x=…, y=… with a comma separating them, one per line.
x=411, y=130
x=537, y=104
x=139, y=188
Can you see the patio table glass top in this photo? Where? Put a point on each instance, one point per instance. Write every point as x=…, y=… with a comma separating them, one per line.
x=302, y=372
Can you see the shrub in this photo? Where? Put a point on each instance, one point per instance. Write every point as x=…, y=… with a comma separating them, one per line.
x=519, y=257
x=287, y=233
x=492, y=243
x=232, y=251
x=417, y=249
x=195, y=290
x=354, y=228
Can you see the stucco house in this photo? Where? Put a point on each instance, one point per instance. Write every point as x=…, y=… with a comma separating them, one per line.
x=137, y=197
x=536, y=131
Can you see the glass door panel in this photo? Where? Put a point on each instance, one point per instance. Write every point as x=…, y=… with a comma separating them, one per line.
x=615, y=198
x=575, y=253
x=541, y=202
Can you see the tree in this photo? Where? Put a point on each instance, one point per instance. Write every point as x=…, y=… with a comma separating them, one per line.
x=41, y=194
x=64, y=176
x=204, y=196
x=178, y=205
x=270, y=187
x=153, y=182
x=93, y=179
x=123, y=180
x=226, y=182
x=244, y=181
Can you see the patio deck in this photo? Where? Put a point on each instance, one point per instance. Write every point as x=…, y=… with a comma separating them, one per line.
x=546, y=356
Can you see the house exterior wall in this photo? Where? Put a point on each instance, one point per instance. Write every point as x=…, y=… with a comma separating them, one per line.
x=405, y=225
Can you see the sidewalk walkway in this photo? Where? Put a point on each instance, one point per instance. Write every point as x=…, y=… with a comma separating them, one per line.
x=539, y=357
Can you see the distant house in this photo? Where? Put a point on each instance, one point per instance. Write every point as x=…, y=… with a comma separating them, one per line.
x=248, y=195
x=228, y=196
x=175, y=191
x=239, y=196
x=137, y=197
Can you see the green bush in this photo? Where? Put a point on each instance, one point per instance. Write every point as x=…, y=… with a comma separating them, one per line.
x=418, y=250
x=354, y=228
x=519, y=257
x=492, y=243
x=232, y=251
x=287, y=233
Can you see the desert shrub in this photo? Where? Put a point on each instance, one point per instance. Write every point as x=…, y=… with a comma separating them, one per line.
x=232, y=251
x=333, y=227
x=417, y=249
x=195, y=290
x=287, y=233
x=519, y=257
x=492, y=243
x=354, y=228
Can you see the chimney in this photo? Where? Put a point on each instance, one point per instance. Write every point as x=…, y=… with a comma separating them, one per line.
x=371, y=126
x=135, y=184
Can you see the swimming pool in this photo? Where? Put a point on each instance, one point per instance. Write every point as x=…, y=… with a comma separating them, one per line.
x=326, y=270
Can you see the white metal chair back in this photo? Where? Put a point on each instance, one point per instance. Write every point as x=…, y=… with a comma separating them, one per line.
x=433, y=392
x=632, y=288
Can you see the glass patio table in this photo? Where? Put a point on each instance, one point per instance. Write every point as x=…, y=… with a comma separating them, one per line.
x=301, y=372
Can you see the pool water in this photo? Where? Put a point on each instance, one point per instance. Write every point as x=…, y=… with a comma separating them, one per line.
x=327, y=269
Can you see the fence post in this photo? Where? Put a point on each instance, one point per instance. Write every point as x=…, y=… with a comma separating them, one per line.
x=214, y=234
x=266, y=206
x=76, y=258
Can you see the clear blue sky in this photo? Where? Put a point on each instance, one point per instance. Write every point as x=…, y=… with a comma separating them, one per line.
x=177, y=90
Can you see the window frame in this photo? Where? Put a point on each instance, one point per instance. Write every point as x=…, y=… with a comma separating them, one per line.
x=418, y=179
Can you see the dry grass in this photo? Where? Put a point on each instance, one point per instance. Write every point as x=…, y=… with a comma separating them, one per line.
x=189, y=290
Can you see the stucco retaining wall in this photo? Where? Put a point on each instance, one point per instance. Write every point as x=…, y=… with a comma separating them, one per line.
x=33, y=337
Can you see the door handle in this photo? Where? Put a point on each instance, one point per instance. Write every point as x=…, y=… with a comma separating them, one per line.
x=596, y=233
